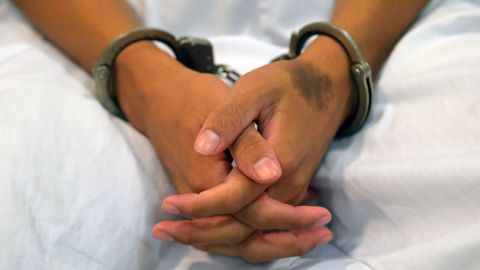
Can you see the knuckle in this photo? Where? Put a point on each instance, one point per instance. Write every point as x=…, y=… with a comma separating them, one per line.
x=290, y=192
x=259, y=223
x=237, y=238
x=197, y=210
x=297, y=195
x=231, y=203
x=189, y=239
x=186, y=238
x=228, y=118
x=193, y=239
x=301, y=249
x=291, y=223
x=225, y=229
x=289, y=161
x=263, y=222
x=247, y=148
x=257, y=216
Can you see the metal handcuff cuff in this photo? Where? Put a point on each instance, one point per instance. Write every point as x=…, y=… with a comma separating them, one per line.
x=360, y=70
x=197, y=54
x=194, y=53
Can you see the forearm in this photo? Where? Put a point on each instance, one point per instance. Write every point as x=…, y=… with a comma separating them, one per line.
x=376, y=25
x=82, y=29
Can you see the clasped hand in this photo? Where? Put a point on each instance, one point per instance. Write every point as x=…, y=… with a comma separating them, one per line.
x=251, y=210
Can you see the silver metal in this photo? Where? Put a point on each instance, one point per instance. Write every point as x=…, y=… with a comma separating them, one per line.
x=360, y=70
x=103, y=71
x=194, y=53
x=229, y=75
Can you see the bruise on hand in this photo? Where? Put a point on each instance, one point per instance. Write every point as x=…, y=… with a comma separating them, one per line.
x=311, y=83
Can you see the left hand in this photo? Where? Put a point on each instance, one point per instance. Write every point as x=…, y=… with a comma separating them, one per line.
x=298, y=106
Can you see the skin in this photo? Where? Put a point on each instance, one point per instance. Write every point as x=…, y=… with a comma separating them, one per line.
x=147, y=85
x=280, y=98
x=312, y=84
x=296, y=122
x=287, y=95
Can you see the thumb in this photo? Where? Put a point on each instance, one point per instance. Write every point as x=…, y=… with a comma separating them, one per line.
x=225, y=123
x=230, y=126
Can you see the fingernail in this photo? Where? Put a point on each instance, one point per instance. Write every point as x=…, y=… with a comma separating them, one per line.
x=266, y=168
x=169, y=208
x=161, y=235
x=325, y=239
x=323, y=221
x=207, y=142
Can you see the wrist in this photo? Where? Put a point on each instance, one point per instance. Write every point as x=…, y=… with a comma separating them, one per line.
x=330, y=58
x=144, y=72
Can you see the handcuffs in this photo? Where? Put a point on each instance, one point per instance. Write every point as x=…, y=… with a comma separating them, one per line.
x=360, y=70
x=197, y=54
x=194, y=53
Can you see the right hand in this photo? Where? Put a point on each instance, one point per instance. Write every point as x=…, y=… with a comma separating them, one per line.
x=168, y=103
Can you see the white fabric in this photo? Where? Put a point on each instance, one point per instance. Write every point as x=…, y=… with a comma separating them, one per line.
x=80, y=189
